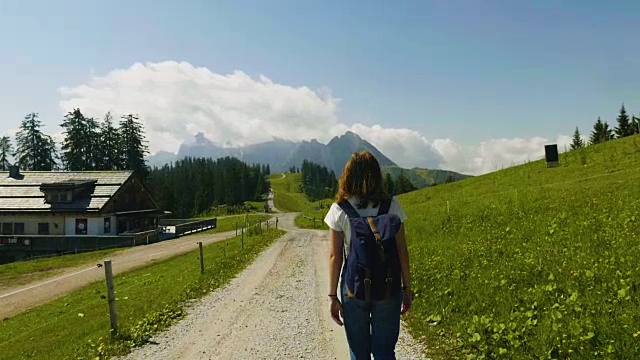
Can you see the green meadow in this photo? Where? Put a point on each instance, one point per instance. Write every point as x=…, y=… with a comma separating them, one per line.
x=288, y=197
x=531, y=262
x=149, y=299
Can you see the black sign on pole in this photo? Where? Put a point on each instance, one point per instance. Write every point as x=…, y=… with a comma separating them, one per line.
x=551, y=155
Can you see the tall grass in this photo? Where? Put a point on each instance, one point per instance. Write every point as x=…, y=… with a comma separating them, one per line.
x=531, y=262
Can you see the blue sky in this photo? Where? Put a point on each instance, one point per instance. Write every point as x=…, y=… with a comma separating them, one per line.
x=463, y=70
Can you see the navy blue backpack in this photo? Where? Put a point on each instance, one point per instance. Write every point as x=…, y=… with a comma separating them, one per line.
x=372, y=269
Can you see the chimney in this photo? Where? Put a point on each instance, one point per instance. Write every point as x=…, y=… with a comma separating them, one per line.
x=14, y=171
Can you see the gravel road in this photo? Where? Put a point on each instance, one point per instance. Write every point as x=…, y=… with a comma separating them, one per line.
x=16, y=300
x=276, y=309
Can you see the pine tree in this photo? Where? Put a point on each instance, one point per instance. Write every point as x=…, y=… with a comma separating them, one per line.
x=80, y=145
x=35, y=150
x=403, y=184
x=73, y=146
x=624, y=126
x=133, y=145
x=92, y=144
x=108, y=153
x=6, y=150
x=601, y=132
x=388, y=184
x=577, y=140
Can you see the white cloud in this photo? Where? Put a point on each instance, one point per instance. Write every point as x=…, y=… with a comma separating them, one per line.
x=495, y=154
x=176, y=100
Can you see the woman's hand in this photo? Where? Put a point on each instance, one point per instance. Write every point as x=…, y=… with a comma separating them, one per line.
x=407, y=297
x=336, y=310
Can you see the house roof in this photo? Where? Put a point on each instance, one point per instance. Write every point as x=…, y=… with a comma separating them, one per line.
x=24, y=192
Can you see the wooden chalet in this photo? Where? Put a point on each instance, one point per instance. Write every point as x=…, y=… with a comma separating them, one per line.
x=67, y=203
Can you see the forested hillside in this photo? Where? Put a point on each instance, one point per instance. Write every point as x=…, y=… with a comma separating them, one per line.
x=193, y=185
x=318, y=182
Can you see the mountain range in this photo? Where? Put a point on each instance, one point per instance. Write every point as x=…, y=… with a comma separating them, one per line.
x=281, y=155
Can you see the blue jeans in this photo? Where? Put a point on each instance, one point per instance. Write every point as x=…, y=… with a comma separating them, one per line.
x=371, y=329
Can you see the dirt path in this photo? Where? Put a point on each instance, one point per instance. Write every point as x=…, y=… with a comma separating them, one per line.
x=276, y=309
x=16, y=300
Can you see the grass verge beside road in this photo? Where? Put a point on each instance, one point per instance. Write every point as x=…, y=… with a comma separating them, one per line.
x=25, y=272
x=228, y=223
x=148, y=300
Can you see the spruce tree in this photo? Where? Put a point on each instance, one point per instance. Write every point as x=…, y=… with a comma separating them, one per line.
x=92, y=144
x=6, y=150
x=133, y=145
x=624, y=125
x=35, y=150
x=601, y=132
x=388, y=184
x=403, y=184
x=109, y=156
x=80, y=146
x=73, y=146
x=577, y=140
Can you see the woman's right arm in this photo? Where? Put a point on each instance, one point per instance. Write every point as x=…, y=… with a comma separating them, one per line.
x=335, y=265
x=335, y=259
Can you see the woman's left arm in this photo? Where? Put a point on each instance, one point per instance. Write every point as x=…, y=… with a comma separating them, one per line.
x=403, y=254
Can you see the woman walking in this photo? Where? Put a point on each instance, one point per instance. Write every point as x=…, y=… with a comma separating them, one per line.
x=370, y=260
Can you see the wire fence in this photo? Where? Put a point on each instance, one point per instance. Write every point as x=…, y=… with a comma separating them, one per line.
x=247, y=232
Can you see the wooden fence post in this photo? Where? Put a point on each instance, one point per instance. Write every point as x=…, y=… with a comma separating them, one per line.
x=276, y=223
x=236, y=228
x=243, y=238
x=201, y=258
x=111, y=298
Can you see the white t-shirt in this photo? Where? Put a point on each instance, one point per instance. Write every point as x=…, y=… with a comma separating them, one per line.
x=338, y=220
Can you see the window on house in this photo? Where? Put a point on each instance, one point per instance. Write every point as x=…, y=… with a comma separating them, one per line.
x=81, y=226
x=7, y=228
x=107, y=225
x=43, y=228
x=18, y=228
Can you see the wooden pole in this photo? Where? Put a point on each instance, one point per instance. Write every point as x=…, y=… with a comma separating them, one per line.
x=243, y=238
x=201, y=258
x=111, y=298
x=276, y=223
x=236, y=228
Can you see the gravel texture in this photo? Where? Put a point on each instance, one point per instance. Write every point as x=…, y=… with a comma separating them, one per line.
x=276, y=309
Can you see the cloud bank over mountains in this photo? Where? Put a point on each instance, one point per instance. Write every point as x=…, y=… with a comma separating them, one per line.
x=176, y=100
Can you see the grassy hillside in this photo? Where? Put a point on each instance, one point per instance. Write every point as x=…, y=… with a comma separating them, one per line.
x=531, y=262
x=422, y=178
x=288, y=197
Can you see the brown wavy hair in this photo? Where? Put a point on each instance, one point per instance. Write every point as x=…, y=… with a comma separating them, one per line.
x=362, y=178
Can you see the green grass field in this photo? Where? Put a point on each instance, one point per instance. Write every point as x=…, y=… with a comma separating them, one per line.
x=288, y=197
x=25, y=272
x=228, y=223
x=148, y=300
x=531, y=262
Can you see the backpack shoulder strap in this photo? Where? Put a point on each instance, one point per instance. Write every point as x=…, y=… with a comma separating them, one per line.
x=348, y=209
x=385, y=205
